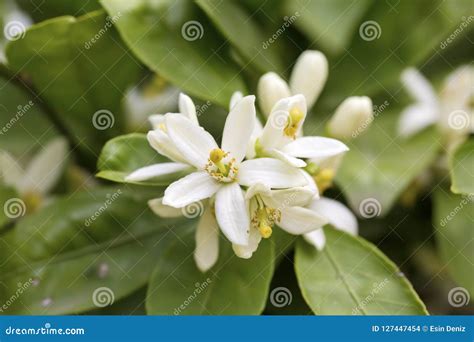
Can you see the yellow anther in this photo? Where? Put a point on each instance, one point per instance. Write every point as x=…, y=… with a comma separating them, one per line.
x=216, y=155
x=296, y=115
x=265, y=230
x=324, y=179
x=162, y=127
x=294, y=119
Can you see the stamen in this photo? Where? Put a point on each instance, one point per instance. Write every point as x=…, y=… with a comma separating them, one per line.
x=294, y=119
x=220, y=167
x=265, y=218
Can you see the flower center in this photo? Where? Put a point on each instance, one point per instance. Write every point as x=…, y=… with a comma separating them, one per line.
x=264, y=218
x=221, y=166
x=293, y=122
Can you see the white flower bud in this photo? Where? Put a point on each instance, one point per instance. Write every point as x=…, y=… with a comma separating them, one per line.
x=271, y=88
x=351, y=118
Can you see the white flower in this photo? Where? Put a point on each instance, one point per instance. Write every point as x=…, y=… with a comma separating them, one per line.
x=279, y=138
x=284, y=208
x=307, y=78
x=352, y=117
x=452, y=109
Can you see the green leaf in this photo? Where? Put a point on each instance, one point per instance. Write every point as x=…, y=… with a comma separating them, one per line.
x=461, y=169
x=351, y=276
x=245, y=33
x=453, y=217
x=379, y=167
x=233, y=286
x=82, y=73
x=6, y=193
x=99, y=238
x=41, y=10
x=328, y=23
x=174, y=40
x=124, y=154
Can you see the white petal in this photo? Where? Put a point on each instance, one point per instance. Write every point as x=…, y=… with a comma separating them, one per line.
x=286, y=158
x=315, y=147
x=257, y=189
x=352, y=117
x=162, y=144
x=156, y=120
x=298, y=196
x=246, y=251
x=271, y=172
x=238, y=127
x=271, y=88
x=235, y=98
x=299, y=220
x=155, y=171
x=418, y=87
x=415, y=118
x=192, y=141
x=311, y=184
x=207, y=241
x=45, y=168
x=231, y=214
x=331, y=163
x=257, y=132
x=337, y=214
x=11, y=173
x=309, y=75
x=187, y=108
x=157, y=206
x=316, y=238
x=192, y=188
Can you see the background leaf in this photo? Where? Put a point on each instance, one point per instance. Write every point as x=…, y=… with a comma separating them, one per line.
x=462, y=168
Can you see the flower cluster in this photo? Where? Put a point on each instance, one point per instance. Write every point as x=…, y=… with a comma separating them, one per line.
x=259, y=176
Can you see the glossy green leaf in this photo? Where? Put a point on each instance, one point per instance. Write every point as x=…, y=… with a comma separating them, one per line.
x=352, y=277
x=102, y=238
x=80, y=67
x=173, y=39
x=124, y=154
x=233, y=286
x=235, y=23
x=453, y=217
x=462, y=169
x=42, y=10
x=379, y=167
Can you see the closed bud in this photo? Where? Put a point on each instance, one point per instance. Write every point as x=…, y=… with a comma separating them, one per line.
x=271, y=88
x=351, y=118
